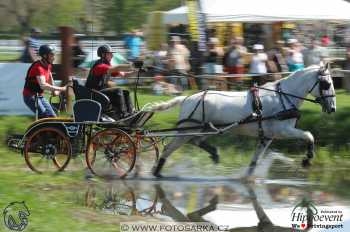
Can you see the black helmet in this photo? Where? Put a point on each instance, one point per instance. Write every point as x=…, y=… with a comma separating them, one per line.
x=103, y=49
x=46, y=49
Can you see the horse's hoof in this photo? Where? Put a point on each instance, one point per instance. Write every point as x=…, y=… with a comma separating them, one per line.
x=248, y=179
x=306, y=163
x=156, y=170
x=214, y=200
x=310, y=155
x=215, y=158
x=157, y=175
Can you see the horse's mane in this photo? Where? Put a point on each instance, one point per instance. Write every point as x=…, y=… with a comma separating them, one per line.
x=293, y=75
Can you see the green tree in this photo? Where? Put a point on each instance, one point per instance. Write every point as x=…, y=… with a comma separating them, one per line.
x=19, y=14
x=46, y=14
x=122, y=15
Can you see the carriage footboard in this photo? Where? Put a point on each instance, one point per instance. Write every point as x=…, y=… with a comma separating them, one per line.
x=15, y=141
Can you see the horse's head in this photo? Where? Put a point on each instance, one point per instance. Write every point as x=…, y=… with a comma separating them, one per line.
x=323, y=89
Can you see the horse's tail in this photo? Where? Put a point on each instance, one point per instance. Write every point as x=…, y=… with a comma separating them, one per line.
x=165, y=105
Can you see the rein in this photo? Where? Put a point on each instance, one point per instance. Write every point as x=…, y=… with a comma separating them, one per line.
x=316, y=101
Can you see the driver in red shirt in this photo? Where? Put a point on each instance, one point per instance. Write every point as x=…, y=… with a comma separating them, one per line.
x=98, y=79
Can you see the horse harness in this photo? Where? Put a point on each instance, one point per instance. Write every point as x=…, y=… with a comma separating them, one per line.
x=256, y=115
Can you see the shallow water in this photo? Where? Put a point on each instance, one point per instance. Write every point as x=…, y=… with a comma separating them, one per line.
x=265, y=203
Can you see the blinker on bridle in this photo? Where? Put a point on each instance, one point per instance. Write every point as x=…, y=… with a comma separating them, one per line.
x=323, y=86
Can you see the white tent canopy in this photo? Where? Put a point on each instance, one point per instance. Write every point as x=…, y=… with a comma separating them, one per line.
x=265, y=11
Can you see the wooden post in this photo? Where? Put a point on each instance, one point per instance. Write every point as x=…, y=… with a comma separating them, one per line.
x=66, y=61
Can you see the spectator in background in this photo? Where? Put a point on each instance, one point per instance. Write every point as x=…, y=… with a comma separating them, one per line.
x=134, y=45
x=213, y=56
x=31, y=46
x=325, y=41
x=258, y=63
x=278, y=56
x=233, y=60
x=346, y=66
x=314, y=54
x=77, y=52
x=160, y=58
x=295, y=60
x=178, y=60
x=161, y=87
x=234, y=57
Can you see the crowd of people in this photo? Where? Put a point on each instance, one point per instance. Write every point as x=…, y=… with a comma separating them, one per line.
x=171, y=61
x=285, y=56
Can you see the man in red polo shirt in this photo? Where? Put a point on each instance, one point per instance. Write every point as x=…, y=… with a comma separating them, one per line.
x=98, y=79
x=38, y=79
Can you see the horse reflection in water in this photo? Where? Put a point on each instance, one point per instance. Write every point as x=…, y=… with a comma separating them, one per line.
x=264, y=225
x=136, y=198
x=279, y=102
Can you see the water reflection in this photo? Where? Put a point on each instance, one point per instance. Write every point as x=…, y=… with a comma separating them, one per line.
x=240, y=206
x=119, y=198
x=263, y=205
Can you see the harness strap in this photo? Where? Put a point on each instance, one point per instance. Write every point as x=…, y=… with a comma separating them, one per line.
x=188, y=120
x=312, y=88
x=257, y=109
x=198, y=103
x=291, y=95
x=280, y=93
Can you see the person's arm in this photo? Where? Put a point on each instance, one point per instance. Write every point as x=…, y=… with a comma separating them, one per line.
x=47, y=86
x=119, y=68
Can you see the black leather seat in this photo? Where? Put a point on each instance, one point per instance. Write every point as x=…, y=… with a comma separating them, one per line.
x=81, y=92
x=86, y=110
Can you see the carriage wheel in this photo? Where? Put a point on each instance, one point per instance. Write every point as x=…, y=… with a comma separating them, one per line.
x=111, y=153
x=147, y=155
x=46, y=150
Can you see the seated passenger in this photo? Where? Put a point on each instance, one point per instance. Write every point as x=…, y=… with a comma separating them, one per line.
x=38, y=79
x=98, y=79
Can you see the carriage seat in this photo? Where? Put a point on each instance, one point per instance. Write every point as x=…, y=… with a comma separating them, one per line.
x=81, y=92
x=108, y=112
x=87, y=110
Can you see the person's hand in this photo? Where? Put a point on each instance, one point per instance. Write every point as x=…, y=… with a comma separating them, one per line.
x=55, y=93
x=63, y=88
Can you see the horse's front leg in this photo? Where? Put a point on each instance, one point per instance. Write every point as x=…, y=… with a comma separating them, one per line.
x=261, y=149
x=292, y=132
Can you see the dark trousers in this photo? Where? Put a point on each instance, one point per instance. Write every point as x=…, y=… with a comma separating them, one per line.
x=120, y=100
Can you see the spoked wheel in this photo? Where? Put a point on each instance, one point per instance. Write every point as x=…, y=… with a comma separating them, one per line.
x=47, y=150
x=111, y=199
x=147, y=155
x=111, y=153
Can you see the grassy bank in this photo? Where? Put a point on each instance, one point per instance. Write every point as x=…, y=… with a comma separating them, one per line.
x=9, y=57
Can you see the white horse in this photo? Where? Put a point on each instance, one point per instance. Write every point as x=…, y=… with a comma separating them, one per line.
x=225, y=107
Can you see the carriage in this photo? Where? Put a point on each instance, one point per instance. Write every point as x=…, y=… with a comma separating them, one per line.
x=113, y=145
x=110, y=143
